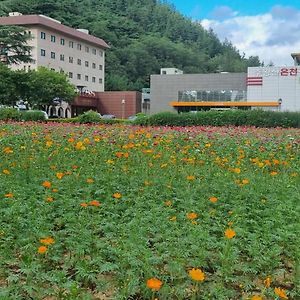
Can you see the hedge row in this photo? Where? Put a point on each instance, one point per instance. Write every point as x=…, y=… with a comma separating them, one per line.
x=16, y=115
x=258, y=118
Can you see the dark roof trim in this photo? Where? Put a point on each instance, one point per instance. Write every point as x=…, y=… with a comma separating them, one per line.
x=47, y=22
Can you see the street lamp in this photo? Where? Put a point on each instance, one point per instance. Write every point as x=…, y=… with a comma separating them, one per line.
x=123, y=102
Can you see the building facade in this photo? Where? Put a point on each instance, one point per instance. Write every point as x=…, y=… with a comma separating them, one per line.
x=64, y=49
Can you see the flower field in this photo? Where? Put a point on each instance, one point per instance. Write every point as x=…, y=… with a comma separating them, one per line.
x=125, y=212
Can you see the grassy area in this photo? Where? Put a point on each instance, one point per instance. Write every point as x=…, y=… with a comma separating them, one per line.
x=125, y=212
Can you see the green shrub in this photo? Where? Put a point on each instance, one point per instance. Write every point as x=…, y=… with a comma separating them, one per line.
x=89, y=117
x=9, y=113
x=257, y=118
x=33, y=115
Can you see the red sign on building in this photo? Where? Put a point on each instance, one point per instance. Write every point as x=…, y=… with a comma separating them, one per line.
x=288, y=71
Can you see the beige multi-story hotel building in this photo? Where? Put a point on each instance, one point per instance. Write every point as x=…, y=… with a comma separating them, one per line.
x=64, y=49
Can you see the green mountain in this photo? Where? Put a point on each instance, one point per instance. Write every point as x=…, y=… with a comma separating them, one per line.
x=144, y=35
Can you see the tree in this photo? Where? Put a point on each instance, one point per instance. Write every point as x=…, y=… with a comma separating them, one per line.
x=14, y=47
x=8, y=93
x=45, y=86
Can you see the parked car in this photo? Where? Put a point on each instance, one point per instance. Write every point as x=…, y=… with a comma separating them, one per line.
x=107, y=117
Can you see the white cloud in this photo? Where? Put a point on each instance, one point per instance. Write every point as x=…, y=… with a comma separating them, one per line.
x=272, y=36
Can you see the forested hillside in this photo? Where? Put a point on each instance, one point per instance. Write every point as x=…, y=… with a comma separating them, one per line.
x=144, y=35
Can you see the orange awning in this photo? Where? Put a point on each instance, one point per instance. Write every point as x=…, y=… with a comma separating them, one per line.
x=225, y=104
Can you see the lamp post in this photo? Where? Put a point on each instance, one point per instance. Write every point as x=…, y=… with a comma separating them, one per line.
x=123, y=102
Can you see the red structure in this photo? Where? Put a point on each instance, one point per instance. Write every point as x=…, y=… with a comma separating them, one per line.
x=121, y=104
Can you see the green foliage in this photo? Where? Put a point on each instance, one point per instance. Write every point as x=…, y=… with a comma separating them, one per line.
x=89, y=117
x=9, y=113
x=112, y=205
x=45, y=85
x=14, y=48
x=33, y=115
x=8, y=86
x=258, y=118
x=144, y=36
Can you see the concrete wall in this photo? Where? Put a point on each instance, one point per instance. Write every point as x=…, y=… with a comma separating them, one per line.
x=165, y=88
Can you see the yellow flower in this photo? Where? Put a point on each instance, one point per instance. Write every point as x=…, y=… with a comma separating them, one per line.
x=154, y=284
x=197, y=274
x=117, y=195
x=267, y=282
x=236, y=170
x=8, y=150
x=229, y=233
x=174, y=218
x=190, y=177
x=90, y=180
x=60, y=175
x=168, y=203
x=6, y=172
x=281, y=293
x=256, y=297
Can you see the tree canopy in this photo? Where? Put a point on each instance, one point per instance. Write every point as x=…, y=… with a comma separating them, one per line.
x=144, y=35
x=14, y=47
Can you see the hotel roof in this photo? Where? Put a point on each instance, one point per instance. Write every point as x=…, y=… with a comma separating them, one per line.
x=41, y=20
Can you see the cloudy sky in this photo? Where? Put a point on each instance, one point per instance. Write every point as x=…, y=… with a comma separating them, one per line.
x=267, y=28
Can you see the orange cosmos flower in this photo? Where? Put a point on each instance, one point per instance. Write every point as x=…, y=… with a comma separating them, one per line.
x=9, y=195
x=95, y=203
x=46, y=184
x=119, y=154
x=229, y=233
x=197, y=274
x=42, y=249
x=190, y=177
x=245, y=181
x=213, y=199
x=273, y=173
x=192, y=216
x=55, y=190
x=60, y=175
x=281, y=293
x=8, y=150
x=267, y=282
x=6, y=172
x=83, y=204
x=154, y=284
x=47, y=241
x=256, y=297
x=168, y=203
x=117, y=195
x=50, y=199
x=90, y=180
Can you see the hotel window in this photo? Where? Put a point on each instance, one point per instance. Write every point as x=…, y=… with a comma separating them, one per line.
x=93, y=79
x=71, y=44
x=70, y=75
x=70, y=59
x=62, y=57
x=87, y=49
x=86, y=78
x=86, y=63
x=43, y=35
x=79, y=76
x=43, y=52
x=94, y=51
x=100, y=67
x=101, y=53
x=79, y=47
x=79, y=62
x=94, y=66
x=53, y=55
x=62, y=41
x=53, y=38
x=100, y=80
